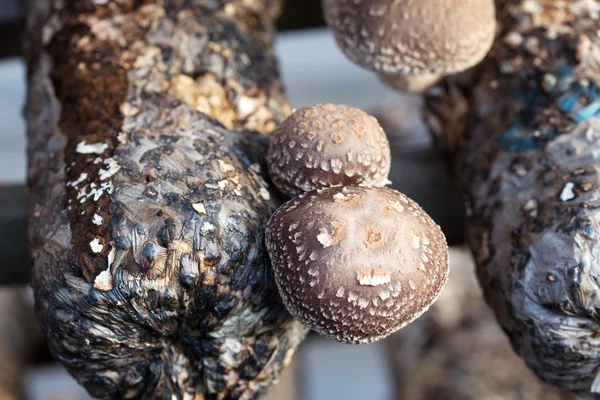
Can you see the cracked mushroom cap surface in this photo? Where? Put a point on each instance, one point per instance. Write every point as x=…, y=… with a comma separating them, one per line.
x=326, y=145
x=412, y=37
x=356, y=263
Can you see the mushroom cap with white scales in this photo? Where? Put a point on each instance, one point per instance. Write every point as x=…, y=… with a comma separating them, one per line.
x=412, y=38
x=326, y=145
x=356, y=263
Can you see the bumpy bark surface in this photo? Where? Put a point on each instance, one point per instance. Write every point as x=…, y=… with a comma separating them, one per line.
x=457, y=351
x=148, y=198
x=524, y=133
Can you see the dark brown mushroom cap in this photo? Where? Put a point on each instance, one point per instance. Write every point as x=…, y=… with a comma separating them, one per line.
x=356, y=263
x=326, y=145
x=412, y=37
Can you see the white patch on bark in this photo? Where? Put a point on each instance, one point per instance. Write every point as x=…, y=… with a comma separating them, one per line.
x=81, y=178
x=264, y=193
x=96, y=246
x=112, y=169
x=97, y=148
x=199, y=208
x=567, y=192
x=207, y=227
x=97, y=220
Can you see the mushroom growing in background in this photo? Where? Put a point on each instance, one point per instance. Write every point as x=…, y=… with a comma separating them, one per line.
x=412, y=43
x=326, y=145
x=356, y=263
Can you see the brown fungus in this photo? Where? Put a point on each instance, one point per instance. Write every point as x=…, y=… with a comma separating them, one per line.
x=356, y=263
x=326, y=145
x=411, y=43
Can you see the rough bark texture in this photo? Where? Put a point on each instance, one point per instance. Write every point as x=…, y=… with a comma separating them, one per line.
x=148, y=198
x=20, y=338
x=524, y=134
x=456, y=350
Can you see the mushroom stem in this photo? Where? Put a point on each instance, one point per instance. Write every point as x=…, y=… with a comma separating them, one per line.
x=415, y=84
x=524, y=136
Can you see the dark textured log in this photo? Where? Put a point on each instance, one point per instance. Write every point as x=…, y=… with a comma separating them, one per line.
x=524, y=133
x=457, y=351
x=147, y=195
x=292, y=18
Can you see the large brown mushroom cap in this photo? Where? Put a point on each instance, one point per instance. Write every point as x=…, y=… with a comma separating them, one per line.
x=413, y=37
x=326, y=145
x=356, y=263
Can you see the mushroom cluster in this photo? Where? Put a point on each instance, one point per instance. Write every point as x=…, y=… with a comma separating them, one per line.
x=412, y=43
x=352, y=260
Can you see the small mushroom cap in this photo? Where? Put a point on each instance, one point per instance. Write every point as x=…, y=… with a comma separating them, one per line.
x=413, y=37
x=356, y=263
x=326, y=145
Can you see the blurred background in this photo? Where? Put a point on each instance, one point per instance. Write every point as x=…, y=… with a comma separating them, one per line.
x=455, y=351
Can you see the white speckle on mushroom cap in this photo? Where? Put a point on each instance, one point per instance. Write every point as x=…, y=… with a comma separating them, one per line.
x=416, y=242
x=324, y=238
x=347, y=264
x=373, y=277
x=326, y=145
x=412, y=37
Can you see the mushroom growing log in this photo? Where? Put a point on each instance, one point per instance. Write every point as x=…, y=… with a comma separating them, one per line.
x=147, y=126
x=457, y=351
x=524, y=135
